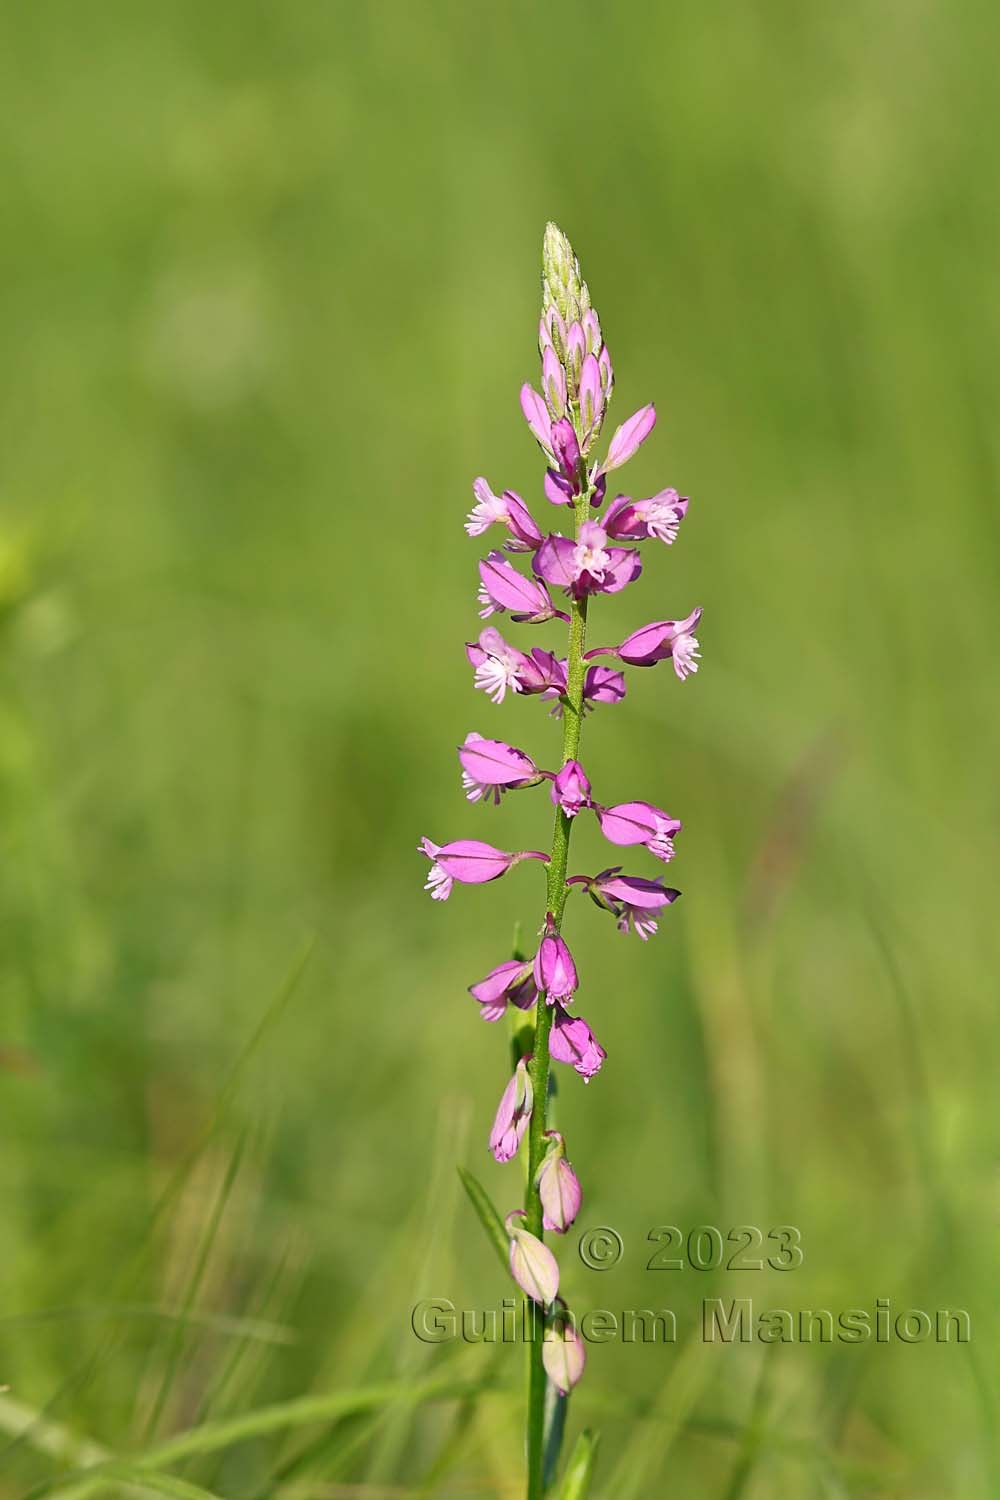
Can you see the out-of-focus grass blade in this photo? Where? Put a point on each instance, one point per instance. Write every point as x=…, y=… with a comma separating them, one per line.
x=216, y=1436
x=487, y=1215
x=580, y=1469
x=126, y=1479
x=132, y=1272
x=179, y=1332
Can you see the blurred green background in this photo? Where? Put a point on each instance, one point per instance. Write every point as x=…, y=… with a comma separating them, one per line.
x=268, y=289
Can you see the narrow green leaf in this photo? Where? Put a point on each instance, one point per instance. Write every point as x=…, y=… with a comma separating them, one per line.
x=130, y=1482
x=214, y=1437
x=488, y=1216
x=555, y=1431
x=580, y=1469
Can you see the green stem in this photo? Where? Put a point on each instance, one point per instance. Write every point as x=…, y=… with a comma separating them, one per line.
x=576, y=672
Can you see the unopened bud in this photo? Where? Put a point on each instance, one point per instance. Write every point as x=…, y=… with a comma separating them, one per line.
x=563, y=1352
x=563, y=286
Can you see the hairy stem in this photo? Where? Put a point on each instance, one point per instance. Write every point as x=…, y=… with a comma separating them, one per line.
x=576, y=672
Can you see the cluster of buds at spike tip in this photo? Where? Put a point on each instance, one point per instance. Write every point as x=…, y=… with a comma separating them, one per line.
x=577, y=378
x=552, y=576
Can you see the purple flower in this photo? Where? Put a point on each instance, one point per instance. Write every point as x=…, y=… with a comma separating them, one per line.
x=558, y=489
x=470, y=862
x=509, y=983
x=591, y=330
x=554, y=971
x=545, y=674
x=603, y=685
x=587, y=566
x=537, y=417
x=558, y=1186
x=629, y=438
x=657, y=642
x=488, y=509
x=630, y=899
x=490, y=767
x=572, y=1041
x=503, y=588
x=498, y=666
x=521, y=524
x=532, y=1264
x=571, y=788
x=513, y=1113
x=636, y=520
x=508, y=510
x=564, y=1353
x=640, y=823
x=567, y=450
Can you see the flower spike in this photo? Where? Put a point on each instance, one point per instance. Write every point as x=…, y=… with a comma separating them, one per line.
x=593, y=554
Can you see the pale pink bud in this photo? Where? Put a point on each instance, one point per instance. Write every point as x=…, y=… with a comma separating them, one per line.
x=553, y=384
x=563, y=1352
x=558, y=1186
x=532, y=1264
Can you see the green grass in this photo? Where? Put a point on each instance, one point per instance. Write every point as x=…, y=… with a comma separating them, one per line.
x=268, y=288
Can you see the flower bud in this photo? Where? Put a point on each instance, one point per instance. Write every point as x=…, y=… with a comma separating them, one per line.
x=563, y=286
x=513, y=1114
x=592, y=400
x=563, y=1352
x=576, y=348
x=555, y=971
x=553, y=384
x=558, y=1186
x=532, y=1264
x=571, y=788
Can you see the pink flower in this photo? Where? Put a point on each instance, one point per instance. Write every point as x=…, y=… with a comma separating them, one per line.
x=640, y=823
x=657, y=642
x=571, y=788
x=636, y=520
x=588, y=565
x=629, y=438
x=603, y=685
x=503, y=588
x=508, y=510
x=567, y=451
x=490, y=767
x=555, y=971
x=558, y=489
x=513, y=1114
x=563, y=1352
x=509, y=983
x=537, y=417
x=545, y=674
x=500, y=666
x=629, y=898
x=470, y=862
x=572, y=1041
x=532, y=1264
x=558, y=1186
